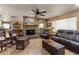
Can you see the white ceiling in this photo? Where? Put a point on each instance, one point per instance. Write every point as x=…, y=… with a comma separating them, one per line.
x=26, y=9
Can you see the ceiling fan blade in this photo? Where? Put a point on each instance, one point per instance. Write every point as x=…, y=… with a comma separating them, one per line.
x=42, y=15
x=43, y=12
x=33, y=10
x=37, y=10
x=36, y=15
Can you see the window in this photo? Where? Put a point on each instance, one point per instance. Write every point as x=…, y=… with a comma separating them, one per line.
x=61, y=24
x=72, y=23
x=0, y=24
x=68, y=24
x=6, y=25
x=29, y=20
x=41, y=25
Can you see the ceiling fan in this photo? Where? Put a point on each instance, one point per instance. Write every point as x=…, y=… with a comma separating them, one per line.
x=37, y=12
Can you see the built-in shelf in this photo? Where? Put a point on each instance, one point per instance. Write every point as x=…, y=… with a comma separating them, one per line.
x=16, y=25
x=27, y=23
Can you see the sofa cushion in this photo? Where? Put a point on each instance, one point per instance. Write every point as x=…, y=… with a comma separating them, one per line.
x=77, y=38
x=64, y=35
x=76, y=43
x=74, y=46
x=64, y=40
x=59, y=38
x=67, y=35
x=71, y=36
x=60, y=32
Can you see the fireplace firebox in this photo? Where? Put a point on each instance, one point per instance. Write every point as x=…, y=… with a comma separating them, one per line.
x=30, y=32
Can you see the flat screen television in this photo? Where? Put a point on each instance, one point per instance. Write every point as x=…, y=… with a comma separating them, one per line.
x=30, y=32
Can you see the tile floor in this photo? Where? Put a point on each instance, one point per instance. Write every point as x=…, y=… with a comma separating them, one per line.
x=34, y=48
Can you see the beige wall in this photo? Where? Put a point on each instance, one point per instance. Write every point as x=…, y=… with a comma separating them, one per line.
x=67, y=15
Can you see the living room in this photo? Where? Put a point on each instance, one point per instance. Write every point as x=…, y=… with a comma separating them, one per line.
x=39, y=29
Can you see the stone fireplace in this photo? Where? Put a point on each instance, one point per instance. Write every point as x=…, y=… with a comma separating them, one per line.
x=31, y=33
